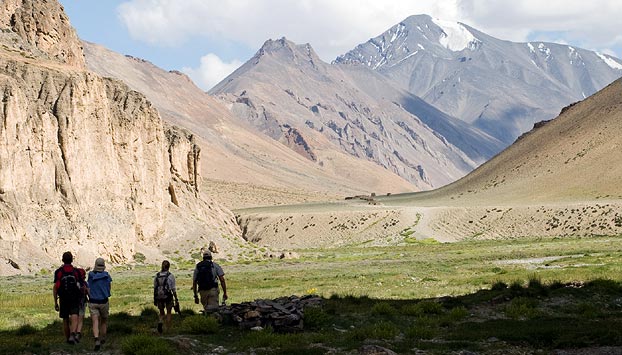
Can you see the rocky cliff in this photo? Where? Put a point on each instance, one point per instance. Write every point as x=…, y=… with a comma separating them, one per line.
x=41, y=28
x=86, y=164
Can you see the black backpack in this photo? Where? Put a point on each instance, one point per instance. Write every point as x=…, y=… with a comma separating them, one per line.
x=206, y=276
x=70, y=287
x=161, y=291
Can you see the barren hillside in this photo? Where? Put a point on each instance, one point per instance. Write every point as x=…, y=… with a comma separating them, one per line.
x=564, y=178
x=241, y=166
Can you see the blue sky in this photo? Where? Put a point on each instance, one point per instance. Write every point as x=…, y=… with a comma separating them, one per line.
x=207, y=39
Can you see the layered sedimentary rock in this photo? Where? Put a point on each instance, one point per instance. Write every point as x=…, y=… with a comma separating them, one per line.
x=86, y=164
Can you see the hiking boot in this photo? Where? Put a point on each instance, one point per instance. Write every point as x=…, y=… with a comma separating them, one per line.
x=97, y=344
x=103, y=341
x=160, y=328
x=77, y=337
x=71, y=340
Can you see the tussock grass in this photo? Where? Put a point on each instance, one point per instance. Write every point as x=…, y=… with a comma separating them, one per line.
x=146, y=345
x=436, y=297
x=200, y=324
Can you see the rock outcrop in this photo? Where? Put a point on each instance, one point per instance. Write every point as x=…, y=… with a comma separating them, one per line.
x=87, y=164
x=42, y=28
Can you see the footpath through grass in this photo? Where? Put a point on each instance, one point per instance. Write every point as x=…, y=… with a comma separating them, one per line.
x=527, y=295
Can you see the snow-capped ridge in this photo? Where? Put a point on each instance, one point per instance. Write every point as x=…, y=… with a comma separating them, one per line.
x=455, y=36
x=610, y=62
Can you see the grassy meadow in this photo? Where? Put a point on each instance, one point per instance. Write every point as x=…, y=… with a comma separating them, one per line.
x=485, y=296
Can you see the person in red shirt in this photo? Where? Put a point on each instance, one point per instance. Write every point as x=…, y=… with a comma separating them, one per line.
x=67, y=289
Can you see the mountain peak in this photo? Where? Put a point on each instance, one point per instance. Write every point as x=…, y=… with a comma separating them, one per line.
x=455, y=36
x=285, y=47
x=415, y=34
x=273, y=46
x=288, y=52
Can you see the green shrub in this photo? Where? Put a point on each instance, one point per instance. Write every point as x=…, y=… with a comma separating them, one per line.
x=316, y=318
x=122, y=316
x=200, y=324
x=535, y=287
x=421, y=331
x=145, y=345
x=118, y=327
x=140, y=258
x=522, y=308
x=534, y=281
x=378, y=330
x=188, y=312
x=26, y=329
x=267, y=338
x=499, y=286
x=556, y=285
x=587, y=310
x=421, y=308
x=605, y=286
x=457, y=313
x=149, y=312
x=516, y=288
x=498, y=270
x=383, y=308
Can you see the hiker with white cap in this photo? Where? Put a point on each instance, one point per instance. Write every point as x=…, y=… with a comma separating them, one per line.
x=206, y=276
x=99, y=282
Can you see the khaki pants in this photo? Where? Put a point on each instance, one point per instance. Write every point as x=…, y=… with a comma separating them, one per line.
x=209, y=299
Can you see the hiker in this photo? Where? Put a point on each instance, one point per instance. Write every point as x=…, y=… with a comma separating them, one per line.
x=206, y=276
x=164, y=291
x=82, y=304
x=100, y=283
x=67, y=290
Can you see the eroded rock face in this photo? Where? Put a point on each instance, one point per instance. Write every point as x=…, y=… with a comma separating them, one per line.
x=43, y=27
x=82, y=160
x=86, y=164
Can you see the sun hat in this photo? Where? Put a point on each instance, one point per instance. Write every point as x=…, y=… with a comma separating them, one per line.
x=100, y=265
x=207, y=254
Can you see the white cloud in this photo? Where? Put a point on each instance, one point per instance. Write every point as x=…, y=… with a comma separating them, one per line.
x=211, y=71
x=334, y=27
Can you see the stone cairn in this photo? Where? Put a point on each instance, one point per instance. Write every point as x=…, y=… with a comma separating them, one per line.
x=283, y=314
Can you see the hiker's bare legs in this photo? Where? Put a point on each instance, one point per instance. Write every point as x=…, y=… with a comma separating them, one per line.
x=73, y=322
x=79, y=324
x=95, y=319
x=169, y=316
x=103, y=327
x=66, y=330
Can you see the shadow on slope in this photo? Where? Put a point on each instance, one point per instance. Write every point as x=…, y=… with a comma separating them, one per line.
x=572, y=317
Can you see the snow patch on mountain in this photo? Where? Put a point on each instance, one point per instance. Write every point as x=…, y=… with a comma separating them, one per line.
x=455, y=36
x=531, y=48
x=544, y=49
x=610, y=62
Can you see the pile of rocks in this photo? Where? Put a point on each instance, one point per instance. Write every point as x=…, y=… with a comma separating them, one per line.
x=283, y=314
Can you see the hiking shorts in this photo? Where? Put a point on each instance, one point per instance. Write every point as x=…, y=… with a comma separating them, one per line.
x=68, y=307
x=209, y=299
x=165, y=304
x=99, y=309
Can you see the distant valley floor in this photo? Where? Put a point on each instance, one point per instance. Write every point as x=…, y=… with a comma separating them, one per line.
x=389, y=221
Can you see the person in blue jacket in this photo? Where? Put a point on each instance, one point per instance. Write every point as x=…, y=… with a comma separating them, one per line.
x=99, y=282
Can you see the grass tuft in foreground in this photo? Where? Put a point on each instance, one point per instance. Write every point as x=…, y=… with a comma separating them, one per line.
x=517, y=296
